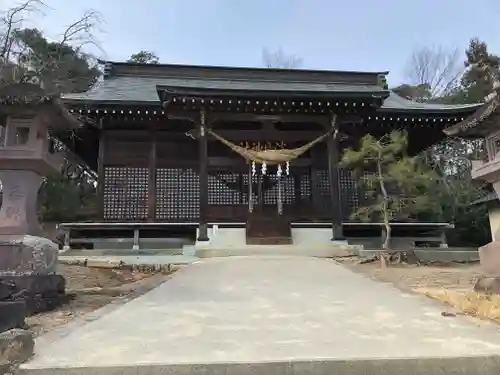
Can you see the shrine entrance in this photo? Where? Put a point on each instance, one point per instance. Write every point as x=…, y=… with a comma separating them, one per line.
x=267, y=223
x=268, y=171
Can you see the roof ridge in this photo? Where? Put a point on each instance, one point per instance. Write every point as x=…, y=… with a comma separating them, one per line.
x=110, y=64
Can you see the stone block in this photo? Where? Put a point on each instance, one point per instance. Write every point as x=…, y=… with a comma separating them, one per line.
x=488, y=285
x=489, y=256
x=12, y=314
x=34, y=284
x=27, y=255
x=16, y=347
x=38, y=292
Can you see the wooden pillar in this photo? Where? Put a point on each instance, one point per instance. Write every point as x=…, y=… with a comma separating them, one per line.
x=203, y=175
x=333, y=174
x=100, y=172
x=152, y=175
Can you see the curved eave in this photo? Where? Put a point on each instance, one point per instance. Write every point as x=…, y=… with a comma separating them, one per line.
x=92, y=102
x=270, y=94
x=431, y=111
x=396, y=104
x=470, y=125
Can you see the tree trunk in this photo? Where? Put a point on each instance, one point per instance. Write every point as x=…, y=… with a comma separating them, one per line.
x=385, y=256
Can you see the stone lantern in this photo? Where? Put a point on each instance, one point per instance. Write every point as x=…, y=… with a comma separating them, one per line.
x=484, y=124
x=27, y=155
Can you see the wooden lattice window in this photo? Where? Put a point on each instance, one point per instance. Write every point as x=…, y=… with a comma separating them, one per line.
x=350, y=191
x=305, y=186
x=271, y=191
x=224, y=188
x=323, y=183
x=125, y=193
x=255, y=180
x=177, y=195
x=166, y=190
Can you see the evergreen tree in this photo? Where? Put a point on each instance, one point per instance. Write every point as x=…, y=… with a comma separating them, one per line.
x=399, y=186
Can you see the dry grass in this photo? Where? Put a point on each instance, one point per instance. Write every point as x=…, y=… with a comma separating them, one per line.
x=471, y=303
x=452, y=284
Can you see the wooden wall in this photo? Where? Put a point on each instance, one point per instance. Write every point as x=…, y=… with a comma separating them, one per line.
x=139, y=186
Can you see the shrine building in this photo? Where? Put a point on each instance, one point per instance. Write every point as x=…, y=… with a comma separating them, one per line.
x=168, y=143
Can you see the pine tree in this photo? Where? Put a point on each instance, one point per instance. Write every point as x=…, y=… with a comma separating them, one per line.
x=398, y=186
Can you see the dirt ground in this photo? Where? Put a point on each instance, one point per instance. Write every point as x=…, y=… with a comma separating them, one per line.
x=452, y=284
x=90, y=289
x=455, y=276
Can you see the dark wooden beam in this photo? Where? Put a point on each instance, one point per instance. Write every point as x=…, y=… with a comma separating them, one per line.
x=203, y=176
x=100, y=173
x=236, y=135
x=268, y=136
x=228, y=116
x=238, y=163
x=333, y=174
x=152, y=175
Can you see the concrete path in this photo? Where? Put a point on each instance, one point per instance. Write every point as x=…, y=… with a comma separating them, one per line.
x=221, y=311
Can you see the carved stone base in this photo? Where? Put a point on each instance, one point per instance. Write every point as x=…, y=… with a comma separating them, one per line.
x=27, y=273
x=18, y=213
x=489, y=257
x=39, y=292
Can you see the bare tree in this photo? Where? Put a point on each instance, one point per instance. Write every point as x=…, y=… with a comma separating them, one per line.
x=11, y=20
x=26, y=55
x=436, y=70
x=280, y=60
x=82, y=31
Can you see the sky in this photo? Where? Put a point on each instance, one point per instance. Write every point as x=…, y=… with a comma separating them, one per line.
x=364, y=35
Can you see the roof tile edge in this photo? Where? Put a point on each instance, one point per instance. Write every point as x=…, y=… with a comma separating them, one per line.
x=113, y=69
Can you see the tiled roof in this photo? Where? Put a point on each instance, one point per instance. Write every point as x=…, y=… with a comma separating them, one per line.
x=129, y=83
x=144, y=89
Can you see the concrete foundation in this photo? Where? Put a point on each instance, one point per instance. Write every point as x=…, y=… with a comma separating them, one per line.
x=315, y=242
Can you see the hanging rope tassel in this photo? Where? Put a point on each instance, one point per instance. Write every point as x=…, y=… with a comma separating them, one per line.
x=274, y=156
x=280, y=202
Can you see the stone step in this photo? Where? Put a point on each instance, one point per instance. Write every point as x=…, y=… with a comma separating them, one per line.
x=122, y=252
x=470, y=365
x=321, y=251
